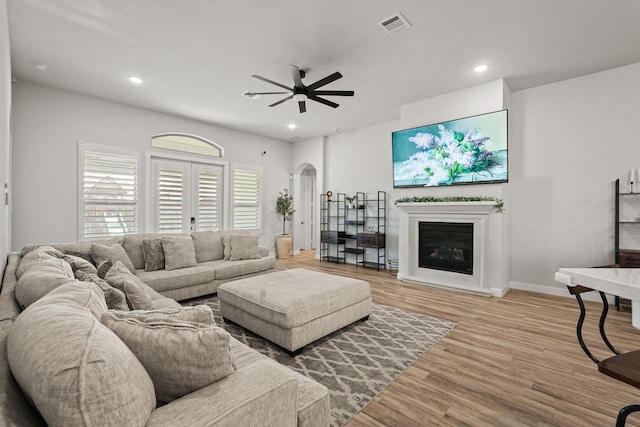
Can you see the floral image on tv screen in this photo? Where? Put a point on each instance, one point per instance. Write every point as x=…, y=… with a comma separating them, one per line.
x=472, y=150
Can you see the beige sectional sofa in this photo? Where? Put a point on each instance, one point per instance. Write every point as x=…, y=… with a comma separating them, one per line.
x=112, y=350
x=213, y=263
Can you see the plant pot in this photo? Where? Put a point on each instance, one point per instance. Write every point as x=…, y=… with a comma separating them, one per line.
x=284, y=242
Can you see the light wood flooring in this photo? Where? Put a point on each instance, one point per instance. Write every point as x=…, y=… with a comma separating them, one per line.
x=512, y=361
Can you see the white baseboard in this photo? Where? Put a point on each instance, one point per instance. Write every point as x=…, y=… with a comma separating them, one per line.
x=559, y=291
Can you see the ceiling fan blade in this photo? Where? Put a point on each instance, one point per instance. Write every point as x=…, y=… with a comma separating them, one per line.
x=333, y=92
x=303, y=106
x=281, y=101
x=331, y=78
x=271, y=93
x=323, y=101
x=297, y=78
x=272, y=82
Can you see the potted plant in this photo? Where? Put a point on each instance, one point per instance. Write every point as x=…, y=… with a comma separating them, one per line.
x=350, y=201
x=284, y=207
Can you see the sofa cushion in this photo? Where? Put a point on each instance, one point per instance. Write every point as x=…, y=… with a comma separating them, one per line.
x=163, y=280
x=101, y=253
x=208, y=245
x=114, y=298
x=153, y=254
x=179, y=252
x=42, y=278
x=134, y=289
x=133, y=244
x=196, y=313
x=33, y=257
x=81, y=249
x=180, y=356
x=244, y=246
x=225, y=269
x=80, y=264
x=91, y=378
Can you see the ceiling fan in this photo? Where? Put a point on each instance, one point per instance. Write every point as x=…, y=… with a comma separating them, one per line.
x=301, y=93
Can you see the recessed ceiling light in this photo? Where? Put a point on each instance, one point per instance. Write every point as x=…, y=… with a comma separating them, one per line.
x=135, y=80
x=481, y=68
x=292, y=125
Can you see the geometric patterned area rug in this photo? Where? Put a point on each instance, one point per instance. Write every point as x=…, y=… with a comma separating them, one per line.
x=357, y=362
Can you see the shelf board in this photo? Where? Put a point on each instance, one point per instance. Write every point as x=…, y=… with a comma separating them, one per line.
x=371, y=264
x=357, y=251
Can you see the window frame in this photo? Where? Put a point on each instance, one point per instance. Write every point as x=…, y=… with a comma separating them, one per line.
x=108, y=150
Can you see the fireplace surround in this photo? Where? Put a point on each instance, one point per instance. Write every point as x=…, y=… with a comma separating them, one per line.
x=487, y=256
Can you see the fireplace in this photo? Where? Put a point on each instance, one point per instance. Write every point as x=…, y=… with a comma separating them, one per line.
x=446, y=246
x=454, y=245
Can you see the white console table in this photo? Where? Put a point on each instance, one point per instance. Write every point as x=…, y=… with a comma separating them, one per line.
x=622, y=282
x=625, y=283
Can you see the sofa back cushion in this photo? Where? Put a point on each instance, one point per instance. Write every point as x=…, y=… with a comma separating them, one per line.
x=133, y=245
x=41, y=278
x=73, y=369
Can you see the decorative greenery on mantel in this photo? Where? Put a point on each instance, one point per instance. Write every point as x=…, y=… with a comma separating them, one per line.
x=499, y=202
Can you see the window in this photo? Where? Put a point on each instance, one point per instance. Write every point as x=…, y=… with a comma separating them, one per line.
x=187, y=143
x=247, y=198
x=108, y=196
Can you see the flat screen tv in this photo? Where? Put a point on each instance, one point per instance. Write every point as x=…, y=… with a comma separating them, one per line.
x=471, y=150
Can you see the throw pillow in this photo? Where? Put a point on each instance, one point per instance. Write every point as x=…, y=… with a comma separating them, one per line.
x=80, y=264
x=179, y=356
x=120, y=277
x=244, y=246
x=34, y=256
x=73, y=369
x=208, y=245
x=114, y=298
x=226, y=240
x=179, y=252
x=104, y=268
x=153, y=254
x=101, y=253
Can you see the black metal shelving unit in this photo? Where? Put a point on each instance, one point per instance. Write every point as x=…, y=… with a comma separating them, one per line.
x=625, y=257
x=373, y=237
x=354, y=231
x=332, y=228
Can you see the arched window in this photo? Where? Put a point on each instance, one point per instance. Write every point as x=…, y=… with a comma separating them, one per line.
x=187, y=143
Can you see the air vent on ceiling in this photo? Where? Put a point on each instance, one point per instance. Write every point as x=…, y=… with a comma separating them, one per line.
x=251, y=95
x=395, y=24
x=294, y=139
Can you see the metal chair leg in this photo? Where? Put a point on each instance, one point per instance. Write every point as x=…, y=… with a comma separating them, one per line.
x=624, y=413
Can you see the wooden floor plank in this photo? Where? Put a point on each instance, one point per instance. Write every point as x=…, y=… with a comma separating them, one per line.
x=512, y=361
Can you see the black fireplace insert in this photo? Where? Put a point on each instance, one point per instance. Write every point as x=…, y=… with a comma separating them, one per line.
x=446, y=246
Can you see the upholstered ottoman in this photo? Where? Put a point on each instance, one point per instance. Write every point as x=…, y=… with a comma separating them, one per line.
x=293, y=308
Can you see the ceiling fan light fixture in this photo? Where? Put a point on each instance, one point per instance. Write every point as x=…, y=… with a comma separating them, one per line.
x=299, y=97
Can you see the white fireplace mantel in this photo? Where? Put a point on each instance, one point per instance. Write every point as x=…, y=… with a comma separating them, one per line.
x=490, y=260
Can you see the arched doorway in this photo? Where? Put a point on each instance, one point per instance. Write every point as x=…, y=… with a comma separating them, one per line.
x=307, y=209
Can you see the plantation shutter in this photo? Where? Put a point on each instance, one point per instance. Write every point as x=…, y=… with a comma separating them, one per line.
x=170, y=200
x=208, y=198
x=109, y=194
x=247, y=199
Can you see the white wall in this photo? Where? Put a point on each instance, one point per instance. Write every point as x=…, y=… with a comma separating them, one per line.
x=572, y=139
x=5, y=132
x=49, y=122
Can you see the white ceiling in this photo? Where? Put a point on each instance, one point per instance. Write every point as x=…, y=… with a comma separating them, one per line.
x=197, y=56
